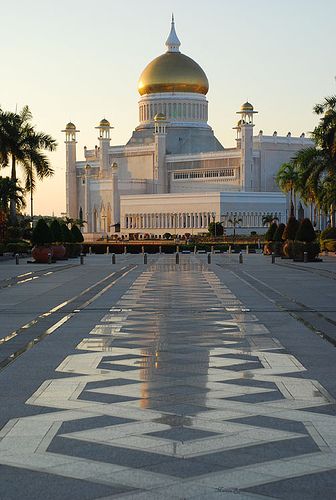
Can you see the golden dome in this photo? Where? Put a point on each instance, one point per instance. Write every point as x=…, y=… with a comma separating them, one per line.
x=104, y=123
x=247, y=106
x=70, y=126
x=173, y=72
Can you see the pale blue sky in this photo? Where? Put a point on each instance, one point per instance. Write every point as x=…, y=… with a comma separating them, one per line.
x=81, y=60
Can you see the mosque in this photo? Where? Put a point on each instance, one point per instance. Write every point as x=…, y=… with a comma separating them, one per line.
x=174, y=175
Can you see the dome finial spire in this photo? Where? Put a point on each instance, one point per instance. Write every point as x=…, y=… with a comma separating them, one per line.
x=173, y=43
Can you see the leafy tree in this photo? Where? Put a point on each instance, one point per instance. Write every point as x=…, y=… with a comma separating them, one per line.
x=291, y=229
x=279, y=232
x=41, y=233
x=216, y=229
x=76, y=234
x=21, y=144
x=56, y=231
x=305, y=231
x=269, y=236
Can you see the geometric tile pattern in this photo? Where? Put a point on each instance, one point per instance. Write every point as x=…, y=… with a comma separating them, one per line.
x=178, y=392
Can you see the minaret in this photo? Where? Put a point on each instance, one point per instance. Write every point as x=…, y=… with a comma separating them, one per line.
x=160, y=136
x=104, y=146
x=173, y=43
x=115, y=216
x=71, y=177
x=245, y=138
x=87, y=208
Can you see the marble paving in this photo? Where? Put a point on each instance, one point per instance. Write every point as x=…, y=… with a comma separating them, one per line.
x=178, y=392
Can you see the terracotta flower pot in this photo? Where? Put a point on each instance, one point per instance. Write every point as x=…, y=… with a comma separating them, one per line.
x=41, y=254
x=58, y=252
x=267, y=248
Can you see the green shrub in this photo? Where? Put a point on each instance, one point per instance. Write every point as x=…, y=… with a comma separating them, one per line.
x=329, y=233
x=279, y=232
x=56, y=231
x=305, y=231
x=291, y=229
x=41, y=233
x=269, y=236
x=76, y=234
x=329, y=245
x=18, y=247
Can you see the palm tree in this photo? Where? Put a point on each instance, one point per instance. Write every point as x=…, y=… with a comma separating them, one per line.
x=21, y=144
x=10, y=189
x=287, y=180
x=268, y=219
x=235, y=222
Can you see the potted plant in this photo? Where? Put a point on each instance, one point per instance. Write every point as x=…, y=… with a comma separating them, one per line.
x=67, y=240
x=288, y=236
x=41, y=239
x=277, y=240
x=305, y=241
x=77, y=239
x=268, y=247
x=57, y=240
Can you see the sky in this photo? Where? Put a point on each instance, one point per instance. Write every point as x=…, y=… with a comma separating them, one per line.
x=80, y=60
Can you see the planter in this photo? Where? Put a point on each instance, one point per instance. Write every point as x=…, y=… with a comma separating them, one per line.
x=312, y=249
x=41, y=254
x=268, y=248
x=287, y=249
x=58, y=252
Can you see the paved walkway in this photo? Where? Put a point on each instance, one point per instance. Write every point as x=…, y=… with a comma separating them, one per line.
x=170, y=381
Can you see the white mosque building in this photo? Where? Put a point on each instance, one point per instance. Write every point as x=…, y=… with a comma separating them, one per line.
x=174, y=175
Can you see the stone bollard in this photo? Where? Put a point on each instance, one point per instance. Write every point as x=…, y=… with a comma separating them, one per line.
x=160, y=249
x=305, y=256
x=195, y=249
x=17, y=260
x=90, y=251
x=145, y=258
x=177, y=258
x=240, y=257
x=107, y=250
x=247, y=249
x=209, y=258
x=177, y=248
x=113, y=258
x=142, y=249
x=81, y=259
x=212, y=249
x=49, y=258
x=230, y=249
x=125, y=249
x=273, y=258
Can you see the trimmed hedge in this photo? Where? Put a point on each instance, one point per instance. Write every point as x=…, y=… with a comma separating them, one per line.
x=329, y=245
x=329, y=233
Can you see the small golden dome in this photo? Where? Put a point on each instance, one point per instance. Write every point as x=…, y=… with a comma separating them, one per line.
x=173, y=72
x=247, y=106
x=104, y=123
x=70, y=126
x=160, y=117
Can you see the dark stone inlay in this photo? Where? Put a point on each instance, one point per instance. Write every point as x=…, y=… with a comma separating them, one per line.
x=265, y=452
x=273, y=423
x=110, y=383
x=105, y=398
x=183, y=434
x=84, y=424
x=261, y=397
x=308, y=487
x=23, y=483
x=249, y=382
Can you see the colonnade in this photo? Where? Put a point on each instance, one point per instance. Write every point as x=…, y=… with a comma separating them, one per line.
x=168, y=220
x=186, y=111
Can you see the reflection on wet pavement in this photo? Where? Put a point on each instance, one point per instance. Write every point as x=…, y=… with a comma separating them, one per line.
x=178, y=386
